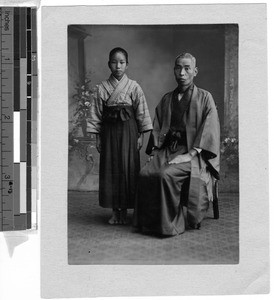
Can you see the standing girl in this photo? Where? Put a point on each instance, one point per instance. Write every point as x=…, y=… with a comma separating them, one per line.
x=119, y=117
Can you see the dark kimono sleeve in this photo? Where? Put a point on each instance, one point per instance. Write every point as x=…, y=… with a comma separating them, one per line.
x=153, y=141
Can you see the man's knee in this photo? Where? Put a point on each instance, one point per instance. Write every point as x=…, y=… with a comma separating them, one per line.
x=147, y=172
x=165, y=172
x=174, y=171
x=143, y=173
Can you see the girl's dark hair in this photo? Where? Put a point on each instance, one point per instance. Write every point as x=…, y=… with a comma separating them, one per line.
x=118, y=49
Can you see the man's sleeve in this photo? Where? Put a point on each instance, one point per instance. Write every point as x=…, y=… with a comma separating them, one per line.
x=153, y=144
x=208, y=136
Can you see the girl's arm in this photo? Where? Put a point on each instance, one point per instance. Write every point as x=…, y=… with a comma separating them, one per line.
x=98, y=142
x=96, y=110
x=140, y=140
x=142, y=115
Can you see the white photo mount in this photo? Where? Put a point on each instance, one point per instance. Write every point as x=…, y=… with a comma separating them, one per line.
x=251, y=275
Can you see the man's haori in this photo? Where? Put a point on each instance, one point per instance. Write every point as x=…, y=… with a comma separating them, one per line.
x=159, y=203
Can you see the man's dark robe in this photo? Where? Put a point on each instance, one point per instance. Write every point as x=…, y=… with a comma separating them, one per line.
x=158, y=206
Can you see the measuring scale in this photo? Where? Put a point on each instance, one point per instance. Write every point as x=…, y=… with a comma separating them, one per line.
x=18, y=61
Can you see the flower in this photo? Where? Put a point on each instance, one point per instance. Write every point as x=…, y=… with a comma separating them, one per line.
x=230, y=150
x=83, y=97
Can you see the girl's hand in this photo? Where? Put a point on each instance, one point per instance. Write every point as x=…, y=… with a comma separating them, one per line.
x=98, y=143
x=140, y=141
x=150, y=158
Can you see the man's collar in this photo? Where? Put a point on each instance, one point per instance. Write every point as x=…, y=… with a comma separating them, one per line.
x=191, y=87
x=176, y=92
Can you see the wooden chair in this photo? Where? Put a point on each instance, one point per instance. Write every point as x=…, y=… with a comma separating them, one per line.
x=215, y=198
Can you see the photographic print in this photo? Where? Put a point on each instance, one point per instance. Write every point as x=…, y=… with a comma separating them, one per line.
x=153, y=151
x=195, y=222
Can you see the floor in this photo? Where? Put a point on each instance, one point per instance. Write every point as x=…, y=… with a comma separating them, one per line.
x=91, y=240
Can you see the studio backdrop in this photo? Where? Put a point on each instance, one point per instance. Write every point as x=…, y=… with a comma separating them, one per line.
x=152, y=50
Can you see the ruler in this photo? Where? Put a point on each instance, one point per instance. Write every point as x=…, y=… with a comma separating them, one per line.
x=18, y=92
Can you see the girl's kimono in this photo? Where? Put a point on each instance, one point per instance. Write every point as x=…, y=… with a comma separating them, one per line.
x=119, y=115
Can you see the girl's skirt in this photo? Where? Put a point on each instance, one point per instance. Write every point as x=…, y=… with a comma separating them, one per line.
x=119, y=158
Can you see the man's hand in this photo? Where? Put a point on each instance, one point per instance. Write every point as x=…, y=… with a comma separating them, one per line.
x=140, y=141
x=181, y=158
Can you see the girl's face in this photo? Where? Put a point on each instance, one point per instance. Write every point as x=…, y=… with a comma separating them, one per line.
x=118, y=65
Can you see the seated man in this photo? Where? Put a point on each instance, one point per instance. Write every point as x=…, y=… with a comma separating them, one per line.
x=184, y=146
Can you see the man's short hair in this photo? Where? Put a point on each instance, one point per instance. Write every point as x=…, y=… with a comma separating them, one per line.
x=186, y=55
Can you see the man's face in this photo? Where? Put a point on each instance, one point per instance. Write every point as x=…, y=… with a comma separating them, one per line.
x=184, y=71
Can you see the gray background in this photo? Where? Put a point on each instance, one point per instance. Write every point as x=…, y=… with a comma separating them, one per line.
x=152, y=50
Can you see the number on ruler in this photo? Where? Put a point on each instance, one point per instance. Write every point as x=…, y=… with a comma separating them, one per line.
x=7, y=21
x=10, y=187
x=6, y=117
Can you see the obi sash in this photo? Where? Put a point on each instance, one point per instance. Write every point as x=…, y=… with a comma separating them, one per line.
x=117, y=113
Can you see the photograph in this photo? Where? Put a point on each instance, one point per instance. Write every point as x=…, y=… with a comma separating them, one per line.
x=156, y=170
x=153, y=135
x=149, y=154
